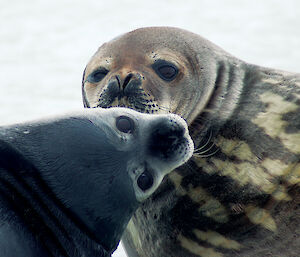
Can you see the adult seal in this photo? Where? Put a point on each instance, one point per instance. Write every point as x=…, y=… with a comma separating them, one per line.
x=239, y=195
x=70, y=184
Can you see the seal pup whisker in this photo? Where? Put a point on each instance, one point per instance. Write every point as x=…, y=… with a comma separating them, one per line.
x=206, y=150
x=206, y=155
x=207, y=142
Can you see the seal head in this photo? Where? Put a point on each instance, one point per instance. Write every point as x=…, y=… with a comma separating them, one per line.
x=149, y=70
x=85, y=174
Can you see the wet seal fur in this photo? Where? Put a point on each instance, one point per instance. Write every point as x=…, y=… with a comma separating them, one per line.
x=70, y=184
x=239, y=195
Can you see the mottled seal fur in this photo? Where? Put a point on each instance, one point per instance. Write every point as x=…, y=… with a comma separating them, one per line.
x=239, y=195
x=70, y=184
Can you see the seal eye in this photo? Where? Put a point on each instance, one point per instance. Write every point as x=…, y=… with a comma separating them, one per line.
x=97, y=75
x=165, y=70
x=145, y=181
x=124, y=124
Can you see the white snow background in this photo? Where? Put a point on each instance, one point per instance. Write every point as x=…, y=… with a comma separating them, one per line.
x=45, y=45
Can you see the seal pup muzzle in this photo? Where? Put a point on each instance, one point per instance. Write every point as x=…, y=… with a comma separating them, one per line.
x=70, y=184
x=240, y=193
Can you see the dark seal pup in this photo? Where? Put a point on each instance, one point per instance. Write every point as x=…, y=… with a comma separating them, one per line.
x=69, y=185
x=239, y=195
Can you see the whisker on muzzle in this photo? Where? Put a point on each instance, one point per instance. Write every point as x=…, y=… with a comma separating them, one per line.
x=206, y=155
x=203, y=146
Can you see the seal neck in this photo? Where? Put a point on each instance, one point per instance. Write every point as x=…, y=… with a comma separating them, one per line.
x=224, y=98
x=22, y=188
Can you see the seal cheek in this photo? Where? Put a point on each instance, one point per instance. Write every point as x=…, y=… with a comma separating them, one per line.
x=90, y=94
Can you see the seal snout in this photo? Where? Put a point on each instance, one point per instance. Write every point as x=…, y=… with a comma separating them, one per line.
x=167, y=137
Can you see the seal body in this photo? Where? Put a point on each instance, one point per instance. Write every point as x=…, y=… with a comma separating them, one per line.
x=70, y=184
x=239, y=195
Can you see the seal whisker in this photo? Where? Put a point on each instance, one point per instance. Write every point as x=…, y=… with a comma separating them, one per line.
x=206, y=150
x=206, y=155
x=200, y=148
x=164, y=108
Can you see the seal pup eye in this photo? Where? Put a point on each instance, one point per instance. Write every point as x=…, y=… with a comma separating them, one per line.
x=125, y=124
x=97, y=75
x=145, y=181
x=165, y=70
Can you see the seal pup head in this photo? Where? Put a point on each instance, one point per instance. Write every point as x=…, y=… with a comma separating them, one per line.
x=101, y=164
x=159, y=143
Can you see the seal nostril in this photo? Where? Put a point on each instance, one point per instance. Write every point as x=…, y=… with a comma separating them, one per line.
x=127, y=79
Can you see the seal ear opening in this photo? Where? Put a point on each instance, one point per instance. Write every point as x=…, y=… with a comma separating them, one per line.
x=85, y=102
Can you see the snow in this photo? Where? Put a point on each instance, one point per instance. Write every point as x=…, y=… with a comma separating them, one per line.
x=45, y=45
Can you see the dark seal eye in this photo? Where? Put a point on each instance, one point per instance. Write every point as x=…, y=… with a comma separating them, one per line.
x=165, y=70
x=125, y=124
x=145, y=181
x=97, y=75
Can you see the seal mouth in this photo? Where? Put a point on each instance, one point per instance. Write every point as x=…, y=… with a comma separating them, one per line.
x=130, y=95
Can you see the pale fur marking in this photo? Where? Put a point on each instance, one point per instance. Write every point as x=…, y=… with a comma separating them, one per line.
x=134, y=235
x=196, y=249
x=250, y=171
x=217, y=239
x=272, y=123
x=261, y=217
x=210, y=207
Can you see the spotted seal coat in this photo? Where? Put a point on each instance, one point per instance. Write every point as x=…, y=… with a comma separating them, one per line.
x=240, y=193
x=70, y=184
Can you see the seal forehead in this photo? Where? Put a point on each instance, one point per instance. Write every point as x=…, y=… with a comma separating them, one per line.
x=145, y=40
x=137, y=47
